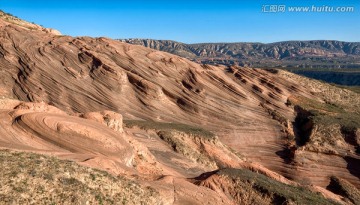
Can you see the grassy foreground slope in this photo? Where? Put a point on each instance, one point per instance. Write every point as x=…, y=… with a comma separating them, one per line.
x=28, y=178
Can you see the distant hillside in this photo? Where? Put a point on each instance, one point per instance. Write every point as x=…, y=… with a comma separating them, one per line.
x=309, y=54
x=338, y=76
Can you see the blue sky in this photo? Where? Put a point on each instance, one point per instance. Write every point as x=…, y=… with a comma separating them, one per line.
x=191, y=21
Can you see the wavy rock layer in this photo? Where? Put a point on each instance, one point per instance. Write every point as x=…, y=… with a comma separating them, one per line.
x=246, y=108
x=44, y=129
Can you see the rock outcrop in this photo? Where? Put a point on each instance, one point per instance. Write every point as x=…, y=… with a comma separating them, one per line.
x=69, y=97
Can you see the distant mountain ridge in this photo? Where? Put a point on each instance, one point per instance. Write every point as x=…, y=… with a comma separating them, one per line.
x=309, y=54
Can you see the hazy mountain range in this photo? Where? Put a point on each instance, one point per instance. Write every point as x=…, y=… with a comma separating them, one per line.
x=305, y=54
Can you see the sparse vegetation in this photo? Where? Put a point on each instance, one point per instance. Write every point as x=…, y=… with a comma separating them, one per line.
x=2, y=13
x=28, y=178
x=324, y=126
x=352, y=88
x=269, y=190
x=16, y=20
x=160, y=126
x=184, y=139
x=314, y=105
x=328, y=113
x=178, y=143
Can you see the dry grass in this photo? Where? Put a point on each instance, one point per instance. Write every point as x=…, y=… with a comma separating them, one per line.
x=160, y=126
x=328, y=113
x=15, y=20
x=28, y=178
x=259, y=188
x=325, y=127
x=189, y=146
x=188, y=141
x=355, y=89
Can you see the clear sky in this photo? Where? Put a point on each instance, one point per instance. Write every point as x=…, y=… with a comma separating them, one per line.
x=192, y=21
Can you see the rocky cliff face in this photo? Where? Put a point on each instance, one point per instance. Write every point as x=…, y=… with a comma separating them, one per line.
x=310, y=54
x=69, y=97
